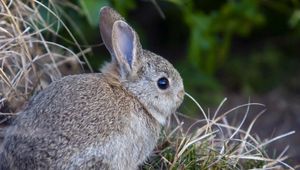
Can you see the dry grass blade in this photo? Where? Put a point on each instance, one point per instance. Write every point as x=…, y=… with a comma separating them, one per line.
x=29, y=62
x=161, y=13
x=5, y=78
x=211, y=147
x=68, y=30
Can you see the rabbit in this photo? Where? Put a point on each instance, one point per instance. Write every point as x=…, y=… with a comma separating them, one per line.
x=109, y=120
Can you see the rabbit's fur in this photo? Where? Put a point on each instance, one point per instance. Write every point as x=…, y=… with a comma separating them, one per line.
x=110, y=120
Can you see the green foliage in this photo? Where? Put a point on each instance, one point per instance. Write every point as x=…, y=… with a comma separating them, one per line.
x=295, y=19
x=48, y=16
x=211, y=32
x=225, y=44
x=258, y=67
x=123, y=6
x=91, y=10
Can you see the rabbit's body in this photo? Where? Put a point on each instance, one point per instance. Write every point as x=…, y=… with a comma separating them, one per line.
x=48, y=127
x=108, y=121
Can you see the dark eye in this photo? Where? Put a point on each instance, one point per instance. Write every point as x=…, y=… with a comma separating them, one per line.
x=163, y=83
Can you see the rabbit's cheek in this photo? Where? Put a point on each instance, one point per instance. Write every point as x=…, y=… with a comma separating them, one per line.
x=180, y=94
x=179, y=98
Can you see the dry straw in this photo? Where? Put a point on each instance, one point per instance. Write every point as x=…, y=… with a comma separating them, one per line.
x=215, y=144
x=28, y=60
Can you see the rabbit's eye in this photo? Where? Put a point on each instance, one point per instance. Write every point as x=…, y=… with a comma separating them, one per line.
x=163, y=83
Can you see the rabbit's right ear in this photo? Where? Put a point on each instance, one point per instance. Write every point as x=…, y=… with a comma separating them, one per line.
x=108, y=17
x=126, y=47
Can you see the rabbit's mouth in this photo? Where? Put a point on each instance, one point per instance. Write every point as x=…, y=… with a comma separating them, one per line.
x=158, y=115
x=160, y=111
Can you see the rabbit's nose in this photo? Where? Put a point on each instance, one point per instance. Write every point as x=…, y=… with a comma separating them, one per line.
x=180, y=94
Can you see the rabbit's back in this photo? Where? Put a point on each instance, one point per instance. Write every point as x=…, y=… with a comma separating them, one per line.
x=79, y=119
x=78, y=103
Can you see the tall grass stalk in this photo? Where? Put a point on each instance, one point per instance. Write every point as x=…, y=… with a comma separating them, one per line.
x=212, y=143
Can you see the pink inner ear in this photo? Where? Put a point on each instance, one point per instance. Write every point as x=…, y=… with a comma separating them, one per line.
x=124, y=41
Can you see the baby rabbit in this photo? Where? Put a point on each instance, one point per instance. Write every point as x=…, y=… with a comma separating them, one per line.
x=110, y=120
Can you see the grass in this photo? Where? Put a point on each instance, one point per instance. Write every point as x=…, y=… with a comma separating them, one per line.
x=212, y=143
x=31, y=58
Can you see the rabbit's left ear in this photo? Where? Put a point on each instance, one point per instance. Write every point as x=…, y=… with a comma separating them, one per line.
x=126, y=47
x=108, y=17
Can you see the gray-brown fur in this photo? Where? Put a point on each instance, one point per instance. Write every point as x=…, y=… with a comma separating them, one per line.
x=110, y=120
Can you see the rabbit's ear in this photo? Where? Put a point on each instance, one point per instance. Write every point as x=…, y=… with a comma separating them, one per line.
x=108, y=17
x=126, y=45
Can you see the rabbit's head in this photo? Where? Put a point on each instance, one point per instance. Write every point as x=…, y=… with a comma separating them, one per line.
x=149, y=77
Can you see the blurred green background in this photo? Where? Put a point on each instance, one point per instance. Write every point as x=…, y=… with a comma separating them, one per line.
x=222, y=48
x=219, y=46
